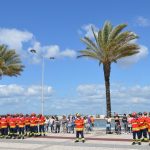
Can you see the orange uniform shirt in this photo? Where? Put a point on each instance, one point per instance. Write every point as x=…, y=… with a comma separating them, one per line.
x=3, y=123
x=27, y=120
x=142, y=122
x=41, y=120
x=21, y=122
x=33, y=121
x=79, y=124
x=135, y=124
x=12, y=122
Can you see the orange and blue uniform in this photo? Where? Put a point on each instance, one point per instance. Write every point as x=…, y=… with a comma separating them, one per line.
x=4, y=126
x=79, y=126
x=135, y=130
x=143, y=127
x=21, y=125
x=41, y=121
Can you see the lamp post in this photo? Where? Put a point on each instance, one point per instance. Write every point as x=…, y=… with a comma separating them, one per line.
x=42, y=85
x=42, y=81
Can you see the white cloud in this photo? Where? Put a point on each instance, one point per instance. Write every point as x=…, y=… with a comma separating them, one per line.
x=126, y=97
x=50, y=51
x=14, y=38
x=143, y=52
x=18, y=90
x=90, y=90
x=36, y=90
x=12, y=89
x=143, y=22
x=90, y=99
x=24, y=41
x=68, y=53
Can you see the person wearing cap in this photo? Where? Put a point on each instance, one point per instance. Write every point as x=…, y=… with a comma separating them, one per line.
x=79, y=126
x=143, y=127
x=135, y=129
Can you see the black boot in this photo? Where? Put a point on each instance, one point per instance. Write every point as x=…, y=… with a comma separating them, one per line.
x=133, y=143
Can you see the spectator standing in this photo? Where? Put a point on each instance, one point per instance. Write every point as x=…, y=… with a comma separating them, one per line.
x=125, y=123
x=129, y=118
x=57, y=125
x=64, y=124
x=117, y=124
x=52, y=119
x=108, y=125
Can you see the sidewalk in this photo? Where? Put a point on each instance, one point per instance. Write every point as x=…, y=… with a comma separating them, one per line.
x=52, y=141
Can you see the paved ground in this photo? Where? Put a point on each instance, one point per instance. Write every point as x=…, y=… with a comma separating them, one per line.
x=66, y=142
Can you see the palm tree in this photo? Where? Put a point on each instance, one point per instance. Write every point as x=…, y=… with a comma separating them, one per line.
x=109, y=45
x=10, y=63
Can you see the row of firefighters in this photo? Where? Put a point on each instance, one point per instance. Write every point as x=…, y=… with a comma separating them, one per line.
x=13, y=126
x=140, y=127
x=18, y=126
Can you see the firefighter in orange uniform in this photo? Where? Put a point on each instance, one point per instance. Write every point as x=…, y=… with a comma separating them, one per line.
x=79, y=126
x=143, y=127
x=135, y=129
x=4, y=126
x=41, y=121
x=21, y=125
x=12, y=125
x=33, y=125
x=27, y=124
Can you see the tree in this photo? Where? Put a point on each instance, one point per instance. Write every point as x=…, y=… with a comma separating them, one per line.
x=10, y=63
x=109, y=45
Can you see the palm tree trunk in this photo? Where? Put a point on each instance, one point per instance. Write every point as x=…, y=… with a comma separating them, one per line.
x=107, y=69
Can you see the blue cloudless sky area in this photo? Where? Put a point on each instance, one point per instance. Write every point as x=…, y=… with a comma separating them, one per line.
x=61, y=22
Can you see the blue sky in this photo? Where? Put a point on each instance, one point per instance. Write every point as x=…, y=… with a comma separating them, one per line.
x=54, y=28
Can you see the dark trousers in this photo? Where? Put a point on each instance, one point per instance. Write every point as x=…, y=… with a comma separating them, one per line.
x=143, y=133
x=27, y=128
x=57, y=130
x=125, y=125
x=21, y=131
x=32, y=130
x=4, y=131
x=52, y=127
x=78, y=133
x=41, y=129
x=136, y=134
x=108, y=128
x=13, y=131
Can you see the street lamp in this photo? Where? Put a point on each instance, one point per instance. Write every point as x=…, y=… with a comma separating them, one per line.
x=42, y=83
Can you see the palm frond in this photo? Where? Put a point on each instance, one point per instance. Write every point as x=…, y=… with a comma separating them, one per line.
x=107, y=28
x=116, y=31
x=10, y=62
x=90, y=44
